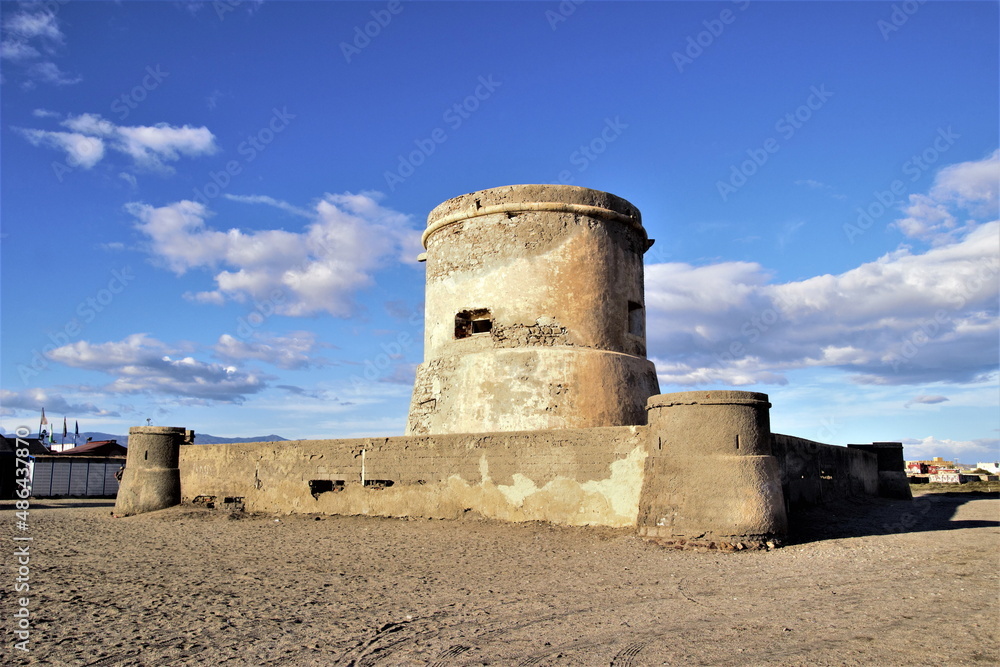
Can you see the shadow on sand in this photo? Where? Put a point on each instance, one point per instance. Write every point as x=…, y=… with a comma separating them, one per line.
x=926, y=512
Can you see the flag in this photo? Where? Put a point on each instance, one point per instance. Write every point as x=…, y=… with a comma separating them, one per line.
x=44, y=420
x=77, y=433
x=64, y=427
x=52, y=438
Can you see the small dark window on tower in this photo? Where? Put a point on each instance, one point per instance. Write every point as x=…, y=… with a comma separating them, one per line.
x=471, y=322
x=636, y=318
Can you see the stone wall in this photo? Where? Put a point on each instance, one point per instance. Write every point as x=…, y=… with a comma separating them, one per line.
x=813, y=473
x=572, y=476
x=705, y=471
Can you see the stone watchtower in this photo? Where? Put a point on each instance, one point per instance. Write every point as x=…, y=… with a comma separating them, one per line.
x=152, y=479
x=535, y=313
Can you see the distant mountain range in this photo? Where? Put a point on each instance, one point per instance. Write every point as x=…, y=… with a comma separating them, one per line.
x=199, y=438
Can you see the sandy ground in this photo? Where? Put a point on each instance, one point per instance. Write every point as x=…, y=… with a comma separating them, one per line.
x=891, y=584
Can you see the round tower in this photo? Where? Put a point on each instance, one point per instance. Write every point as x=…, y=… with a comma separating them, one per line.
x=710, y=476
x=534, y=314
x=152, y=480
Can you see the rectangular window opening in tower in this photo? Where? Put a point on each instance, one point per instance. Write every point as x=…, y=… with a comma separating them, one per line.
x=473, y=322
x=636, y=318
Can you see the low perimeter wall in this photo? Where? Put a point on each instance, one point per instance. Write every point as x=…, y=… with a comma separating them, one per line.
x=813, y=473
x=574, y=476
x=706, y=470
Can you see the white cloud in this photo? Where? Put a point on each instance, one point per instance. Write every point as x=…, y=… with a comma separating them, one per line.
x=925, y=400
x=145, y=365
x=961, y=451
x=904, y=318
x=149, y=146
x=33, y=400
x=49, y=72
x=89, y=123
x=17, y=50
x=28, y=25
x=970, y=184
x=45, y=113
x=960, y=194
x=270, y=201
x=298, y=273
x=290, y=352
x=29, y=36
x=81, y=150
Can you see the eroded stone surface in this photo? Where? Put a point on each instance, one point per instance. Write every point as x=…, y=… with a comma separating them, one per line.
x=534, y=293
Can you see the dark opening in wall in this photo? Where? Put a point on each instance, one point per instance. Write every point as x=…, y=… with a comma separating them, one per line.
x=234, y=503
x=472, y=322
x=318, y=486
x=377, y=484
x=207, y=501
x=636, y=318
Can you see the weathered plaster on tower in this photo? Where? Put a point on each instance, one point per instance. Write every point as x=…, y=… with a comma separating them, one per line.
x=535, y=316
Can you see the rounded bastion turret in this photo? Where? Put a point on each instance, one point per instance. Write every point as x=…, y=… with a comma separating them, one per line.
x=535, y=315
x=152, y=479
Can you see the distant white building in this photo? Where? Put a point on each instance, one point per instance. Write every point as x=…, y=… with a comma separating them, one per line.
x=992, y=466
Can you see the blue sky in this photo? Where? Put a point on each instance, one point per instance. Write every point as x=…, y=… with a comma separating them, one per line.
x=210, y=211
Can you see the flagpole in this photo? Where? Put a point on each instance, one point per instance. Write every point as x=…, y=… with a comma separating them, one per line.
x=41, y=422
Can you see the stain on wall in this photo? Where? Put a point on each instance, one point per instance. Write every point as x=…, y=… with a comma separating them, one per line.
x=572, y=476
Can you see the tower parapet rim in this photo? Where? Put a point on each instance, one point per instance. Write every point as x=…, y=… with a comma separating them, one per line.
x=523, y=198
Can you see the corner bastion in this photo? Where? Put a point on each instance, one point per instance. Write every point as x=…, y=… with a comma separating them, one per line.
x=535, y=401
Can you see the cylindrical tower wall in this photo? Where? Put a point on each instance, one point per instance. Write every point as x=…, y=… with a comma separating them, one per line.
x=706, y=423
x=151, y=480
x=710, y=477
x=534, y=313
